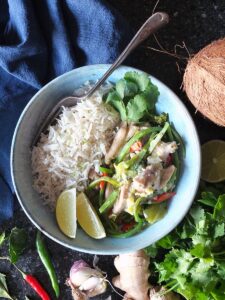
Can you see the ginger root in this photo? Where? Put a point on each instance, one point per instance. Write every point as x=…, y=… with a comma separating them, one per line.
x=134, y=273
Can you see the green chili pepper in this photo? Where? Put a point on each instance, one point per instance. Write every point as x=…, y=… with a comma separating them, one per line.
x=45, y=258
x=104, y=178
x=135, y=138
x=129, y=233
x=109, y=202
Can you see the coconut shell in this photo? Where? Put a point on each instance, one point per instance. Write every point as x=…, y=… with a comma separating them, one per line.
x=204, y=81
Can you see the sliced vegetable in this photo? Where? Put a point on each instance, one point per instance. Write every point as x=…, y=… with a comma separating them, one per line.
x=104, y=179
x=109, y=202
x=106, y=170
x=138, y=227
x=158, y=137
x=164, y=197
x=135, y=138
x=136, y=146
x=154, y=213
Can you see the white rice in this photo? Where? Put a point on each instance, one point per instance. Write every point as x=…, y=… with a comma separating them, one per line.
x=77, y=143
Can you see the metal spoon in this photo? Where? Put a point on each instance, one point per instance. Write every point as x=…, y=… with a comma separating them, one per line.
x=153, y=23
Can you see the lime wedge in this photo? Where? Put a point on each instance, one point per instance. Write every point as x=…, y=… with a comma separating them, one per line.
x=213, y=161
x=66, y=212
x=154, y=213
x=88, y=218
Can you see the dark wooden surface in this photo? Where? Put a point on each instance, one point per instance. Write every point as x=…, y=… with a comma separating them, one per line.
x=194, y=22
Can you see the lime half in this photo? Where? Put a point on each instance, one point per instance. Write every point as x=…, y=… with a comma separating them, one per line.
x=88, y=218
x=66, y=212
x=213, y=161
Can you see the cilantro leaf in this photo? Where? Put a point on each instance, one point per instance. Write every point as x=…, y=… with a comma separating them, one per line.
x=219, y=210
x=114, y=99
x=137, y=108
x=126, y=88
x=208, y=198
x=134, y=97
x=141, y=79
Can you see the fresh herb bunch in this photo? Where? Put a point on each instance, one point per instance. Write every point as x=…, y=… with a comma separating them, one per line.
x=134, y=97
x=191, y=259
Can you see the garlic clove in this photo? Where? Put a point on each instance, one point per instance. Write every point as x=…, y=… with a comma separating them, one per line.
x=90, y=283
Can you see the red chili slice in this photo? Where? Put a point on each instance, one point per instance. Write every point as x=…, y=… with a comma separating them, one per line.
x=136, y=146
x=163, y=197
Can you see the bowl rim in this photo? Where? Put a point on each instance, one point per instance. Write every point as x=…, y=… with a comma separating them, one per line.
x=107, y=251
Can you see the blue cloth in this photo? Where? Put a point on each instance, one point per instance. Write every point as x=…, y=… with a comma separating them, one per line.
x=39, y=40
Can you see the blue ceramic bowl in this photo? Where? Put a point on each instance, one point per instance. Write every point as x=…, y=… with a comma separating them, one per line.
x=37, y=110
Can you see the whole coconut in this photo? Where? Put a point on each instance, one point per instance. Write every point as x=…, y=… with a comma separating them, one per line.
x=204, y=81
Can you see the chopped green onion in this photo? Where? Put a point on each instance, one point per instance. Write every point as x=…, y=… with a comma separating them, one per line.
x=135, y=138
x=158, y=137
x=104, y=178
x=109, y=202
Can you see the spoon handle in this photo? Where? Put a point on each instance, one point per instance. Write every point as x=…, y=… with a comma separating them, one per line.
x=153, y=23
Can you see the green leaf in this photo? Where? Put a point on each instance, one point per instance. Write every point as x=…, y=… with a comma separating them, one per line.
x=126, y=88
x=17, y=243
x=2, y=238
x=168, y=242
x=137, y=108
x=114, y=99
x=4, y=293
x=208, y=199
x=141, y=79
x=219, y=210
x=219, y=230
x=152, y=250
x=200, y=251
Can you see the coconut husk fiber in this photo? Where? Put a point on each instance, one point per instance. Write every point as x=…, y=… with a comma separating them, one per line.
x=204, y=81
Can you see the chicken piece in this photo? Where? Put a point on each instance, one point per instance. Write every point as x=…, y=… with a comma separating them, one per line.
x=93, y=174
x=118, y=142
x=108, y=190
x=166, y=175
x=121, y=202
x=162, y=150
x=131, y=131
x=149, y=178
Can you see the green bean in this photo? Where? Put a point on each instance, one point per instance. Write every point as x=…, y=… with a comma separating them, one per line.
x=179, y=141
x=158, y=137
x=106, y=170
x=45, y=258
x=104, y=178
x=175, y=155
x=109, y=202
x=129, y=233
x=101, y=196
x=135, y=138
